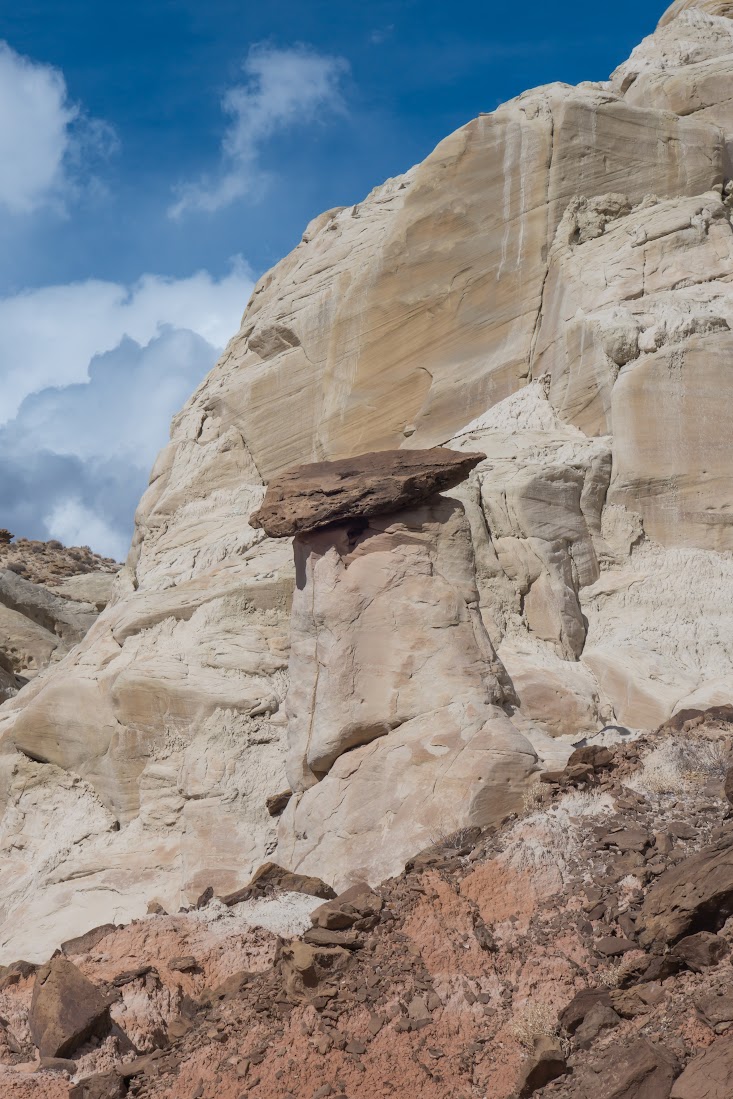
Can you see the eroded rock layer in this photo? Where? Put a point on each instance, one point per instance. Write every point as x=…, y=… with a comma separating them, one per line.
x=551, y=287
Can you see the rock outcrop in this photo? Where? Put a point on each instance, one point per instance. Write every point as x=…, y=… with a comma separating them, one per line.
x=49, y=598
x=552, y=288
x=317, y=495
x=394, y=718
x=487, y=965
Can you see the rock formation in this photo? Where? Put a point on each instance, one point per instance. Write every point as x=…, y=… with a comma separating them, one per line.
x=49, y=597
x=312, y=496
x=395, y=693
x=551, y=287
x=510, y=961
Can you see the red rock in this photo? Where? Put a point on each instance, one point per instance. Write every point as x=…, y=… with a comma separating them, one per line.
x=271, y=878
x=545, y=1064
x=635, y=1070
x=709, y=1075
x=277, y=803
x=82, y=944
x=307, y=497
x=102, y=1085
x=701, y=950
x=697, y=892
x=321, y=936
x=66, y=1009
x=581, y=1004
x=611, y=946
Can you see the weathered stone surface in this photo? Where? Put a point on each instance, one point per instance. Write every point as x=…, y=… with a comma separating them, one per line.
x=392, y=703
x=709, y=1074
x=311, y=496
x=38, y=625
x=66, y=1009
x=627, y=1070
x=546, y=1063
x=309, y=970
x=82, y=944
x=102, y=1085
x=524, y=246
x=716, y=1007
x=695, y=894
x=271, y=878
x=701, y=950
x=582, y=1003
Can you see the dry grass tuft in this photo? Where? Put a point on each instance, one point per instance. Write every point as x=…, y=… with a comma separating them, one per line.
x=676, y=766
x=536, y=1021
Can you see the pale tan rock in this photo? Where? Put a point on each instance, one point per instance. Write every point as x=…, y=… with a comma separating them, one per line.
x=712, y=7
x=392, y=715
x=89, y=587
x=371, y=811
x=411, y=320
x=385, y=629
x=671, y=443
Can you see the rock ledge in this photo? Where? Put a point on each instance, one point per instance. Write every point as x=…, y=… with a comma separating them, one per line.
x=307, y=497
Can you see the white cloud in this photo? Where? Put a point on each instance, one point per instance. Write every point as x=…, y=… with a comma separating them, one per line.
x=285, y=88
x=44, y=138
x=76, y=525
x=48, y=336
x=76, y=454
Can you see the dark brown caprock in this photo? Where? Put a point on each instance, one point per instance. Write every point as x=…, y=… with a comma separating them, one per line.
x=307, y=497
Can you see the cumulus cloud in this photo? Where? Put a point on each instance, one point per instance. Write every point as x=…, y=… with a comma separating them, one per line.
x=48, y=336
x=43, y=136
x=76, y=456
x=284, y=87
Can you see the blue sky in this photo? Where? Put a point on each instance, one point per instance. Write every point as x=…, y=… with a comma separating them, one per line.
x=157, y=156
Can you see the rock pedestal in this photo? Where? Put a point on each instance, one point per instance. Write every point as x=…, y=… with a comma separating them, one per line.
x=396, y=735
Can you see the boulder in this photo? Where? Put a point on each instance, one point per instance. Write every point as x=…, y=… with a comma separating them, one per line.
x=66, y=1009
x=323, y=493
x=715, y=1007
x=82, y=944
x=356, y=903
x=271, y=878
x=708, y=1074
x=581, y=1005
x=696, y=894
x=702, y=950
x=546, y=1063
x=636, y=1069
x=102, y=1085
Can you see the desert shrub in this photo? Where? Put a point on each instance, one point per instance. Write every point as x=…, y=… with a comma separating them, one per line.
x=676, y=766
x=535, y=1021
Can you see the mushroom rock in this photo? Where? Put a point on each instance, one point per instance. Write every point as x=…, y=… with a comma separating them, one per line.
x=322, y=493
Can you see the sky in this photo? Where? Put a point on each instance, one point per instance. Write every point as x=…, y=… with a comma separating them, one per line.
x=157, y=156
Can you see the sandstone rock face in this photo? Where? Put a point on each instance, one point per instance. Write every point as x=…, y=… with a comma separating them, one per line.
x=552, y=288
x=394, y=692
x=316, y=495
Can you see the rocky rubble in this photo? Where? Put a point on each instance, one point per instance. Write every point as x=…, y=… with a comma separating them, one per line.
x=523, y=959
